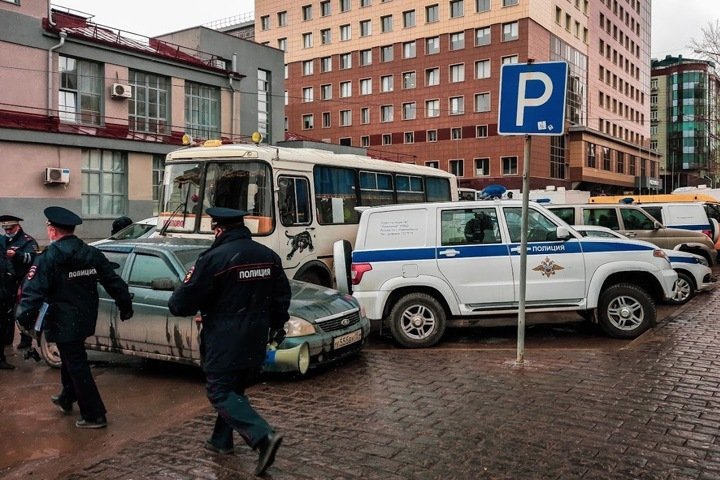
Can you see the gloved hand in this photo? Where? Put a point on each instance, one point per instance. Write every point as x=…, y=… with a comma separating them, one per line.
x=125, y=314
x=277, y=336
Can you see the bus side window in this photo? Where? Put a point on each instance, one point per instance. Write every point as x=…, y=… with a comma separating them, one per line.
x=293, y=201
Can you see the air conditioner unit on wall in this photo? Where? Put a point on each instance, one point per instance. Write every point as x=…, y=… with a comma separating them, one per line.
x=57, y=175
x=119, y=90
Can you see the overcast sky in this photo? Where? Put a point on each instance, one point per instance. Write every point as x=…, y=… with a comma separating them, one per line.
x=674, y=22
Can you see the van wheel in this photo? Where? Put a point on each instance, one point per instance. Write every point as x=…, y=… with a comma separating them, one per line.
x=50, y=353
x=684, y=290
x=625, y=311
x=417, y=320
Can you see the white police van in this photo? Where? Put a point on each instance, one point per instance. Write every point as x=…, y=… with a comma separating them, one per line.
x=419, y=268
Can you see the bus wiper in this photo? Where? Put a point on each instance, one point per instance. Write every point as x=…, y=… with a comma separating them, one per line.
x=163, y=230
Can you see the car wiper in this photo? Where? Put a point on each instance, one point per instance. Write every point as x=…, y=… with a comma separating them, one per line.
x=183, y=206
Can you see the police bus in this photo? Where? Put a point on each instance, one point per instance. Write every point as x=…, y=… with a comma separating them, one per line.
x=300, y=200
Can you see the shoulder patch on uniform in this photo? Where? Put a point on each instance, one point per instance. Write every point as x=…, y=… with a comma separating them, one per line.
x=188, y=275
x=31, y=272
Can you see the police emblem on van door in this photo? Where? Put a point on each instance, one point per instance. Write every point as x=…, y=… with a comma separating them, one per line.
x=548, y=267
x=299, y=242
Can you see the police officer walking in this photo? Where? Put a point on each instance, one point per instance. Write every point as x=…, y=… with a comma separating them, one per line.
x=240, y=288
x=65, y=278
x=8, y=288
x=21, y=249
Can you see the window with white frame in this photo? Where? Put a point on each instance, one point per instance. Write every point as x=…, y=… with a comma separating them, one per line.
x=482, y=69
x=386, y=83
x=386, y=139
x=104, y=182
x=482, y=102
x=456, y=105
x=365, y=141
x=409, y=111
x=408, y=79
x=344, y=5
x=264, y=95
x=325, y=8
x=202, y=110
x=432, y=108
x=456, y=167
x=509, y=31
x=265, y=22
x=365, y=115
x=80, y=92
x=326, y=91
x=509, y=59
x=432, y=45
x=456, y=8
x=431, y=137
x=457, y=73
x=149, y=107
x=326, y=121
x=326, y=64
x=386, y=53
x=432, y=13
x=325, y=36
x=366, y=57
x=409, y=137
x=482, y=5
x=307, y=94
x=386, y=113
x=345, y=118
x=482, y=36
x=366, y=86
x=510, y=3
x=409, y=49
x=307, y=39
x=365, y=28
x=386, y=23
x=432, y=164
x=345, y=89
x=408, y=18
x=509, y=165
x=482, y=167
x=282, y=44
x=457, y=41
x=308, y=67
x=432, y=77
x=345, y=33
x=345, y=61
x=307, y=121
x=365, y=3
x=282, y=19
x=307, y=12
x=456, y=133
x=481, y=131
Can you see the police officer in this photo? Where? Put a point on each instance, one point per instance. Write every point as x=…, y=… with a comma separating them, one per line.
x=65, y=277
x=243, y=295
x=21, y=249
x=8, y=288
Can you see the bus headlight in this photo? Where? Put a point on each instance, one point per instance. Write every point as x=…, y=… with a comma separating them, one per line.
x=298, y=327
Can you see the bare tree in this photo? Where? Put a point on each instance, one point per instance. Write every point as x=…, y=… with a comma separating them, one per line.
x=709, y=44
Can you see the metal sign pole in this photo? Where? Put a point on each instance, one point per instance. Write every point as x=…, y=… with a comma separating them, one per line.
x=523, y=252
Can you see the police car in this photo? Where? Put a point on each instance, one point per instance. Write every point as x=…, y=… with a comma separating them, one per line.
x=419, y=268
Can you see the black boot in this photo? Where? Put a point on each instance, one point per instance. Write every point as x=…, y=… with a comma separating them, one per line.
x=4, y=365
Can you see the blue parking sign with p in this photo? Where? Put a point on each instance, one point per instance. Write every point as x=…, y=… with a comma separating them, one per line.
x=532, y=98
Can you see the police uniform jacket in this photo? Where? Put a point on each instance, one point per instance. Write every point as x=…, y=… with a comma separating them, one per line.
x=26, y=249
x=65, y=276
x=241, y=290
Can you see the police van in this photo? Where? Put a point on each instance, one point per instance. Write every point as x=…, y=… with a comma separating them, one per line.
x=420, y=268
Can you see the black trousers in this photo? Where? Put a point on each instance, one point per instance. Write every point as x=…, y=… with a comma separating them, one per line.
x=77, y=380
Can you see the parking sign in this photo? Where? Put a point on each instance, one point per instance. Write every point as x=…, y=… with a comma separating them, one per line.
x=532, y=98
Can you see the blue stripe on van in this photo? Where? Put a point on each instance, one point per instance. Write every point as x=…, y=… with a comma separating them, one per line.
x=693, y=226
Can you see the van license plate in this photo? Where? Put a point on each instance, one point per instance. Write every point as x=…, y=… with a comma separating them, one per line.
x=347, y=339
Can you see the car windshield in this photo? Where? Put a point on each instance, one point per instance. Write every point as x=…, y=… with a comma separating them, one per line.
x=136, y=230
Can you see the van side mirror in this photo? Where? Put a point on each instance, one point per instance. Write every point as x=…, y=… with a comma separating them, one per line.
x=657, y=225
x=164, y=283
x=562, y=233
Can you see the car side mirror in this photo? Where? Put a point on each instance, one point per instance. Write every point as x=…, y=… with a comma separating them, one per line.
x=562, y=233
x=657, y=225
x=166, y=284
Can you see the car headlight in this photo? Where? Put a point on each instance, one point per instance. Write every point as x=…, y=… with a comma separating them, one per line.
x=298, y=327
x=702, y=261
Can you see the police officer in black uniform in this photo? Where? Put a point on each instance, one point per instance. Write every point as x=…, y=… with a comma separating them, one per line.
x=21, y=249
x=65, y=277
x=8, y=288
x=240, y=288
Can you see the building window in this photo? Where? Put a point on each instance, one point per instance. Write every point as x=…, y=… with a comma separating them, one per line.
x=365, y=3
x=365, y=141
x=432, y=108
x=307, y=12
x=620, y=162
x=482, y=102
x=282, y=19
x=345, y=89
x=482, y=69
x=307, y=120
x=282, y=44
x=202, y=110
x=386, y=23
x=482, y=5
x=344, y=5
x=365, y=86
x=432, y=45
x=432, y=164
x=326, y=64
x=431, y=136
x=456, y=8
x=482, y=36
x=386, y=53
x=325, y=36
x=408, y=18
x=149, y=108
x=510, y=3
x=509, y=165
x=307, y=67
x=386, y=83
x=158, y=170
x=509, y=59
x=265, y=22
x=457, y=73
x=345, y=61
x=607, y=159
x=590, y=159
x=345, y=33
x=432, y=13
x=409, y=111
x=408, y=79
x=365, y=28
x=307, y=40
x=326, y=92
x=456, y=167
x=509, y=31
x=481, y=131
x=457, y=41
x=457, y=105
x=104, y=182
x=456, y=133
x=386, y=139
x=409, y=137
x=365, y=115
x=386, y=113
x=325, y=8
x=80, y=92
x=326, y=121
x=409, y=49
x=366, y=57
x=264, y=104
x=345, y=118
x=482, y=167
x=307, y=94
x=432, y=77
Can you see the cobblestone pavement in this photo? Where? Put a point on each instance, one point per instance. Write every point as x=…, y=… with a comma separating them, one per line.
x=650, y=410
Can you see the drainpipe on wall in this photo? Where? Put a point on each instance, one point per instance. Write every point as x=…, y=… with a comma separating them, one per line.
x=63, y=35
x=49, y=13
x=232, y=95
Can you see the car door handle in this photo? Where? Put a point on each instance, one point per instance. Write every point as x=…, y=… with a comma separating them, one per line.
x=450, y=252
x=631, y=234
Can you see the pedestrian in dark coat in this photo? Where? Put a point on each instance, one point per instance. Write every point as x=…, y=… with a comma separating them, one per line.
x=65, y=277
x=240, y=288
x=21, y=249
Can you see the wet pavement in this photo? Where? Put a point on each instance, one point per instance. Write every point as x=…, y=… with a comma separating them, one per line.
x=646, y=409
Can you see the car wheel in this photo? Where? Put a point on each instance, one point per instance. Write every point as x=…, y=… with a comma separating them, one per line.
x=684, y=290
x=50, y=352
x=417, y=320
x=625, y=311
